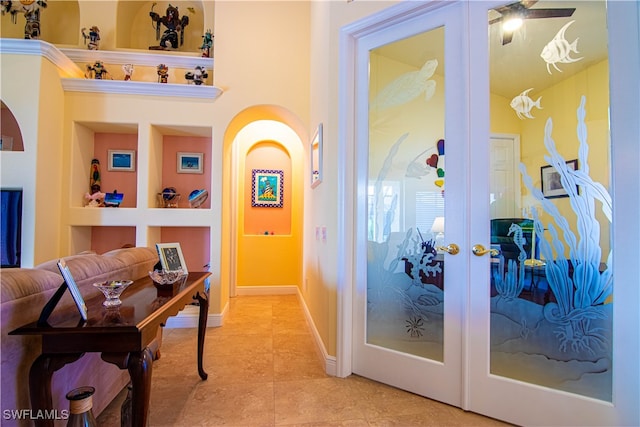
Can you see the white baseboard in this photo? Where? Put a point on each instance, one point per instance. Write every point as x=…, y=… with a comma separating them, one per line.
x=188, y=318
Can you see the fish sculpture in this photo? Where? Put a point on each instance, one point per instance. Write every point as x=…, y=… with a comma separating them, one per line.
x=523, y=104
x=407, y=87
x=559, y=50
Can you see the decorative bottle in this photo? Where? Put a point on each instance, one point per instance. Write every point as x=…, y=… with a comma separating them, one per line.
x=80, y=407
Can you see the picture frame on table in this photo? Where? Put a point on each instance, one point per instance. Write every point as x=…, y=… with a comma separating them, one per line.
x=550, y=182
x=190, y=162
x=73, y=288
x=316, y=157
x=121, y=160
x=267, y=188
x=171, y=258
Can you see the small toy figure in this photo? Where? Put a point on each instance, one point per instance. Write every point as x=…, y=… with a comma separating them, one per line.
x=96, y=70
x=197, y=77
x=31, y=10
x=207, y=43
x=93, y=37
x=163, y=73
x=128, y=71
x=174, y=24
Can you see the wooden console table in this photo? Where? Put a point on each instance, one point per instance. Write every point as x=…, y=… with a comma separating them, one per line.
x=124, y=335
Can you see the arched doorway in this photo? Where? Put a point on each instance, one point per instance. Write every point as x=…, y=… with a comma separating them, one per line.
x=262, y=239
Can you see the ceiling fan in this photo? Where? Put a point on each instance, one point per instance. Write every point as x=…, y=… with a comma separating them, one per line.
x=513, y=14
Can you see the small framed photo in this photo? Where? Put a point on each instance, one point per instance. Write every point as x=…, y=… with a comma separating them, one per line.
x=190, y=163
x=122, y=160
x=73, y=288
x=171, y=258
x=316, y=157
x=550, y=180
x=267, y=188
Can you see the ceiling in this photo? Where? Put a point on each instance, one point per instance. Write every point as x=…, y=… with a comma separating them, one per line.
x=517, y=66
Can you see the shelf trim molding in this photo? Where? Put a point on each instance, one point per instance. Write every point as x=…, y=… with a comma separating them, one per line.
x=141, y=88
x=137, y=58
x=43, y=49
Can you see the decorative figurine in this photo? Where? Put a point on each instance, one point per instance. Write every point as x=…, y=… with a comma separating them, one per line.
x=174, y=24
x=93, y=37
x=96, y=70
x=128, y=71
x=95, y=197
x=163, y=73
x=31, y=10
x=196, y=77
x=207, y=43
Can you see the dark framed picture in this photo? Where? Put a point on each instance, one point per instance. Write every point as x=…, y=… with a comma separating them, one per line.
x=171, y=258
x=73, y=288
x=550, y=180
x=266, y=188
x=122, y=160
x=316, y=157
x=190, y=162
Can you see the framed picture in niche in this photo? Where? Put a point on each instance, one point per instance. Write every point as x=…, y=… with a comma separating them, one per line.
x=316, y=157
x=190, y=162
x=551, y=183
x=267, y=188
x=122, y=160
x=171, y=258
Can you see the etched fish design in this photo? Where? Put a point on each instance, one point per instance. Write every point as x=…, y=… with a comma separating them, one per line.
x=523, y=104
x=407, y=87
x=559, y=49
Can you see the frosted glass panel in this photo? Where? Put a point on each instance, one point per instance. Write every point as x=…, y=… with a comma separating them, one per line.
x=551, y=284
x=406, y=176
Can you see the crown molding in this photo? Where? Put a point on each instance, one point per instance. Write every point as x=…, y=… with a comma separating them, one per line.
x=210, y=93
x=42, y=49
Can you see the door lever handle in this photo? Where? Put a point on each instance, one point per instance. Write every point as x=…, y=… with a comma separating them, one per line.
x=479, y=250
x=451, y=248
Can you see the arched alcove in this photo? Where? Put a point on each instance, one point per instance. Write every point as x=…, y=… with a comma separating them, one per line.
x=11, y=133
x=59, y=23
x=135, y=29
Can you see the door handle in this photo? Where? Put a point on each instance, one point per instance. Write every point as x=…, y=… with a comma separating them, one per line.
x=451, y=248
x=479, y=250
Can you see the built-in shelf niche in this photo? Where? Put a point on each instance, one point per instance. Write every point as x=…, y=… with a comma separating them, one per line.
x=195, y=243
x=166, y=144
x=101, y=239
x=94, y=141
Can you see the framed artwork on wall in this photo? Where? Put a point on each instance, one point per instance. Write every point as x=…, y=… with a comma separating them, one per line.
x=190, y=162
x=171, y=258
x=267, y=188
x=550, y=180
x=122, y=160
x=316, y=157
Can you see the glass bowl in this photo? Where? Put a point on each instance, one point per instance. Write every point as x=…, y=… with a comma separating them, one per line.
x=112, y=291
x=166, y=277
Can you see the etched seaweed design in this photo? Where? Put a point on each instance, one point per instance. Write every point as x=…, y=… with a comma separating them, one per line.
x=577, y=283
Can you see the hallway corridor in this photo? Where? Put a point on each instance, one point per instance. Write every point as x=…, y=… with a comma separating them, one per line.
x=264, y=370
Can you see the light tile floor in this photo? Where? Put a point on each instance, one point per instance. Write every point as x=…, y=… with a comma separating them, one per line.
x=264, y=370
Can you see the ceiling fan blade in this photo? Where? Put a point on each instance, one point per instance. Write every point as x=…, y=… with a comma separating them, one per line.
x=507, y=36
x=548, y=13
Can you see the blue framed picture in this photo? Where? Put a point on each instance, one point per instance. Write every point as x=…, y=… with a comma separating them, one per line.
x=190, y=163
x=267, y=188
x=122, y=160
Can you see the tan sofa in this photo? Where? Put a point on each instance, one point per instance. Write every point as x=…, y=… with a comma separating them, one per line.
x=23, y=293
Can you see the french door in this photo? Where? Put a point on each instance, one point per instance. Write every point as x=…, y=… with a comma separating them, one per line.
x=521, y=317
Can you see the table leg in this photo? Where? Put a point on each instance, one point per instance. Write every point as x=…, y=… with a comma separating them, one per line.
x=40, y=375
x=140, y=366
x=202, y=329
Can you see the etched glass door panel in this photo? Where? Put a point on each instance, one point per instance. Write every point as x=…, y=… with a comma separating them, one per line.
x=405, y=200
x=407, y=311
x=551, y=282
